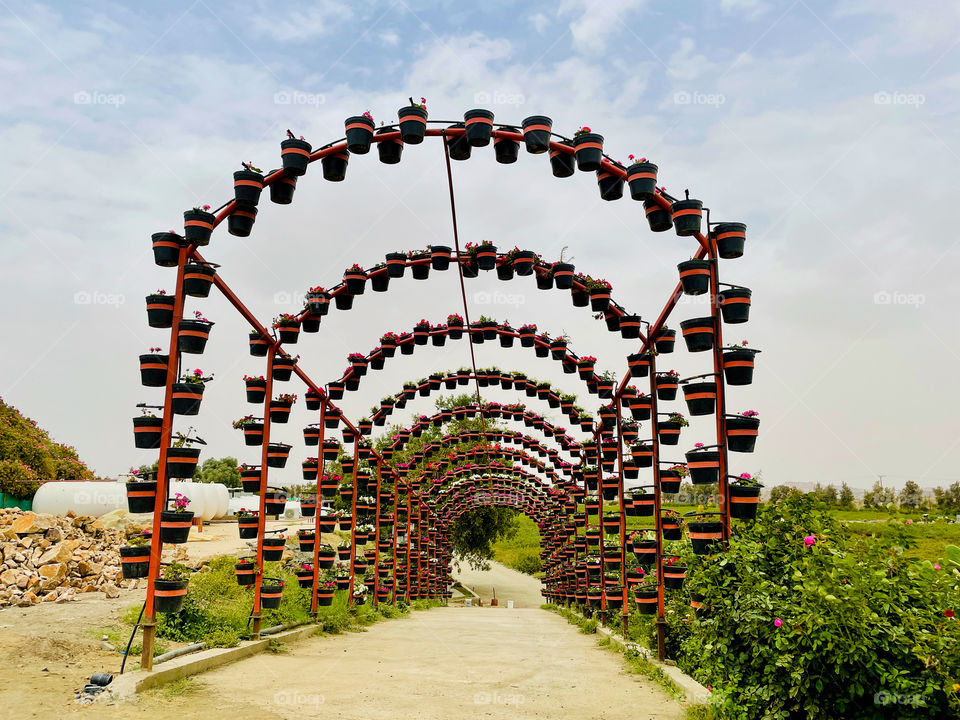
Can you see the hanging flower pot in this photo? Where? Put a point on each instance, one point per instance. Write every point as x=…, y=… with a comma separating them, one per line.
x=730, y=238
x=639, y=364
x=705, y=536
x=504, y=149
x=141, y=496
x=182, y=461
x=329, y=486
x=270, y=595
x=147, y=432
x=536, y=133
x=305, y=576
x=247, y=186
x=735, y=304
x=670, y=481
x=168, y=595
x=744, y=500
x=413, y=122
x=610, y=182
x=389, y=150
x=665, y=340
x=283, y=368
x=160, y=310
x=192, y=335
x=166, y=248
x=198, y=225
x=485, y=254
x=327, y=524
x=698, y=334
x=312, y=399
x=359, y=132
x=666, y=385
x=252, y=431
x=457, y=145
x=288, y=328
x=240, y=221
x=641, y=407
x=186, y=397
x=295, y=154
x=645, y=551
x=562, y=274
x=674, y=576
x=588, y=148
x=642, y=179
x=135, y=561
x=310, y=468
x=668, y=432
x=630, y=326
x=600, y=296
x=277, y=454
x=250, y=479
x=275, y=502
x=354, y=277
x=440, y=258
x=742, y=431
x=701, y=397
x=153, y=369
x=671, y=527
x=248, y=524
x=695, y=276
x=334, y=166
x=197, y=279
x=479, y=124
x=704, y=466
x=562, y=162
x=396, y=264
x=306, y=540
x=738, y=363
x=325, y=557
x=175, y=526
x=311, y=436
x=687, y=215
x=258, y=345
x=658, y=217
x=281, y=190
x=280, y=408
x=643, y=504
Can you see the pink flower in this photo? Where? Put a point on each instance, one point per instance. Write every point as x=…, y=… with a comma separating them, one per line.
x=810, y=540
x=936, y=567
x=909, y=522
x=778, y=622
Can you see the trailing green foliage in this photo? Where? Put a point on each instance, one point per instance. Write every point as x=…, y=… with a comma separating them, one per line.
x=520, y=550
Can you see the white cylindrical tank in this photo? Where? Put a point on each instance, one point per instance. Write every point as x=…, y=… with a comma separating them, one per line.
x=207, y=500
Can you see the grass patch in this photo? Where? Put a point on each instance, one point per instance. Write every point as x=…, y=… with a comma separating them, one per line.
x=521, y=550
x=184, y=687
x=118, y=636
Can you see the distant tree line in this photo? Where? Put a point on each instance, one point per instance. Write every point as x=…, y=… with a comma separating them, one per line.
x=910, y=498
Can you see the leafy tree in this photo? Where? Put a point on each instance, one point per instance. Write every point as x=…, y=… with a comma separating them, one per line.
x=846, y=501
x=911, y=497
x=473, y=534
x=948, y=501
x=878, y=497
x=826, y=494
x=779, y=493
x=219, y=470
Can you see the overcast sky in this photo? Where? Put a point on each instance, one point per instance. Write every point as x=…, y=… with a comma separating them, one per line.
x=830, y=128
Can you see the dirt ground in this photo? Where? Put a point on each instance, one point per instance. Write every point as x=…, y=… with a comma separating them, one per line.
x=442, y=663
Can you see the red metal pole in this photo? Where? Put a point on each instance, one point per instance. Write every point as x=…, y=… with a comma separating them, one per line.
x=314, y=605
x=376, y=546
x=396, y=522
x=262, y=524
x=353, y=516
x=658, y=528
x=623, y=523
x=163, y=484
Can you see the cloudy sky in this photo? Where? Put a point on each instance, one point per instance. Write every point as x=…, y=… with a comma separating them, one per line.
x=830, y=128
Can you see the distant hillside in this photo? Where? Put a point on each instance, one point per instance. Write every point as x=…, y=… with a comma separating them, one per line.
x=30, y=457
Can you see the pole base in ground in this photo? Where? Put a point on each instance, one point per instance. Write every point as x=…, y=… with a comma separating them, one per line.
x=256, y=626
x=146, y=656
x=661, y=639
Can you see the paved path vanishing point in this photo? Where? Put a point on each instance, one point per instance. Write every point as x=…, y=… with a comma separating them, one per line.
x=444, y=664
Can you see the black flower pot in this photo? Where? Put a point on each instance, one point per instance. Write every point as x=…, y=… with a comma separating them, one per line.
x=735, y=304
x=175, y=526
x=672, y=530
x=658, y=217
x=168, y=595
x=166, y=248
x=701, y=397
x=283, y=368
x=479, y=124
x=289, y=332
x=250, y=480
x=704, y=466
x=246, y=573
x=665, y=341
x=343, y=299
x=182, y=461
x=698, y=334
x=609, y=182
x=642, y=179
x=420, y=266
x=630, y=326
x=743, y=502
x=536, y=133
x=669, y=481
x=359, y=132
x=277, y=454
x=738, y=366
x=389, y=150
x=589, y=151
x=247, y=527
x=334, y=166
x=674, y=576
x=599, y=299
x=506, y=150
x=295, y=154
x=668, y=432
x=741, y=433
x=706, y=536
x=258, y=345
x=160, y=310
x=192, y=336
x=275, y=503
x=253, y=434
x=153, y=370
x=240, y=221
x=579, y=298
x=135, y=562
x=639, y=364
x=281, y=190
x=270, y=596
x=457, y=145
x=280, y=411
x=695, y=276
x=197, y=226
x=730, y=238
x=562, y=274
x=247, y=186
x=642, y=455
x=687, y=216
x=396, y=264
x=562, y=164
x=486, y=257
x=641, y=408
x=440, y=257
x=197, y=279
x=141, y=496
x=186, y=398
x=413, y=124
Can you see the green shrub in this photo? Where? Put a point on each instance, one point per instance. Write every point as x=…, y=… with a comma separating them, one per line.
x=846, y=628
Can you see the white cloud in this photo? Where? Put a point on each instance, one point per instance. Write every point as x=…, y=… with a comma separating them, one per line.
x=595, y=22
x=318, y=18
x=539, y=22
x=751, y=9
